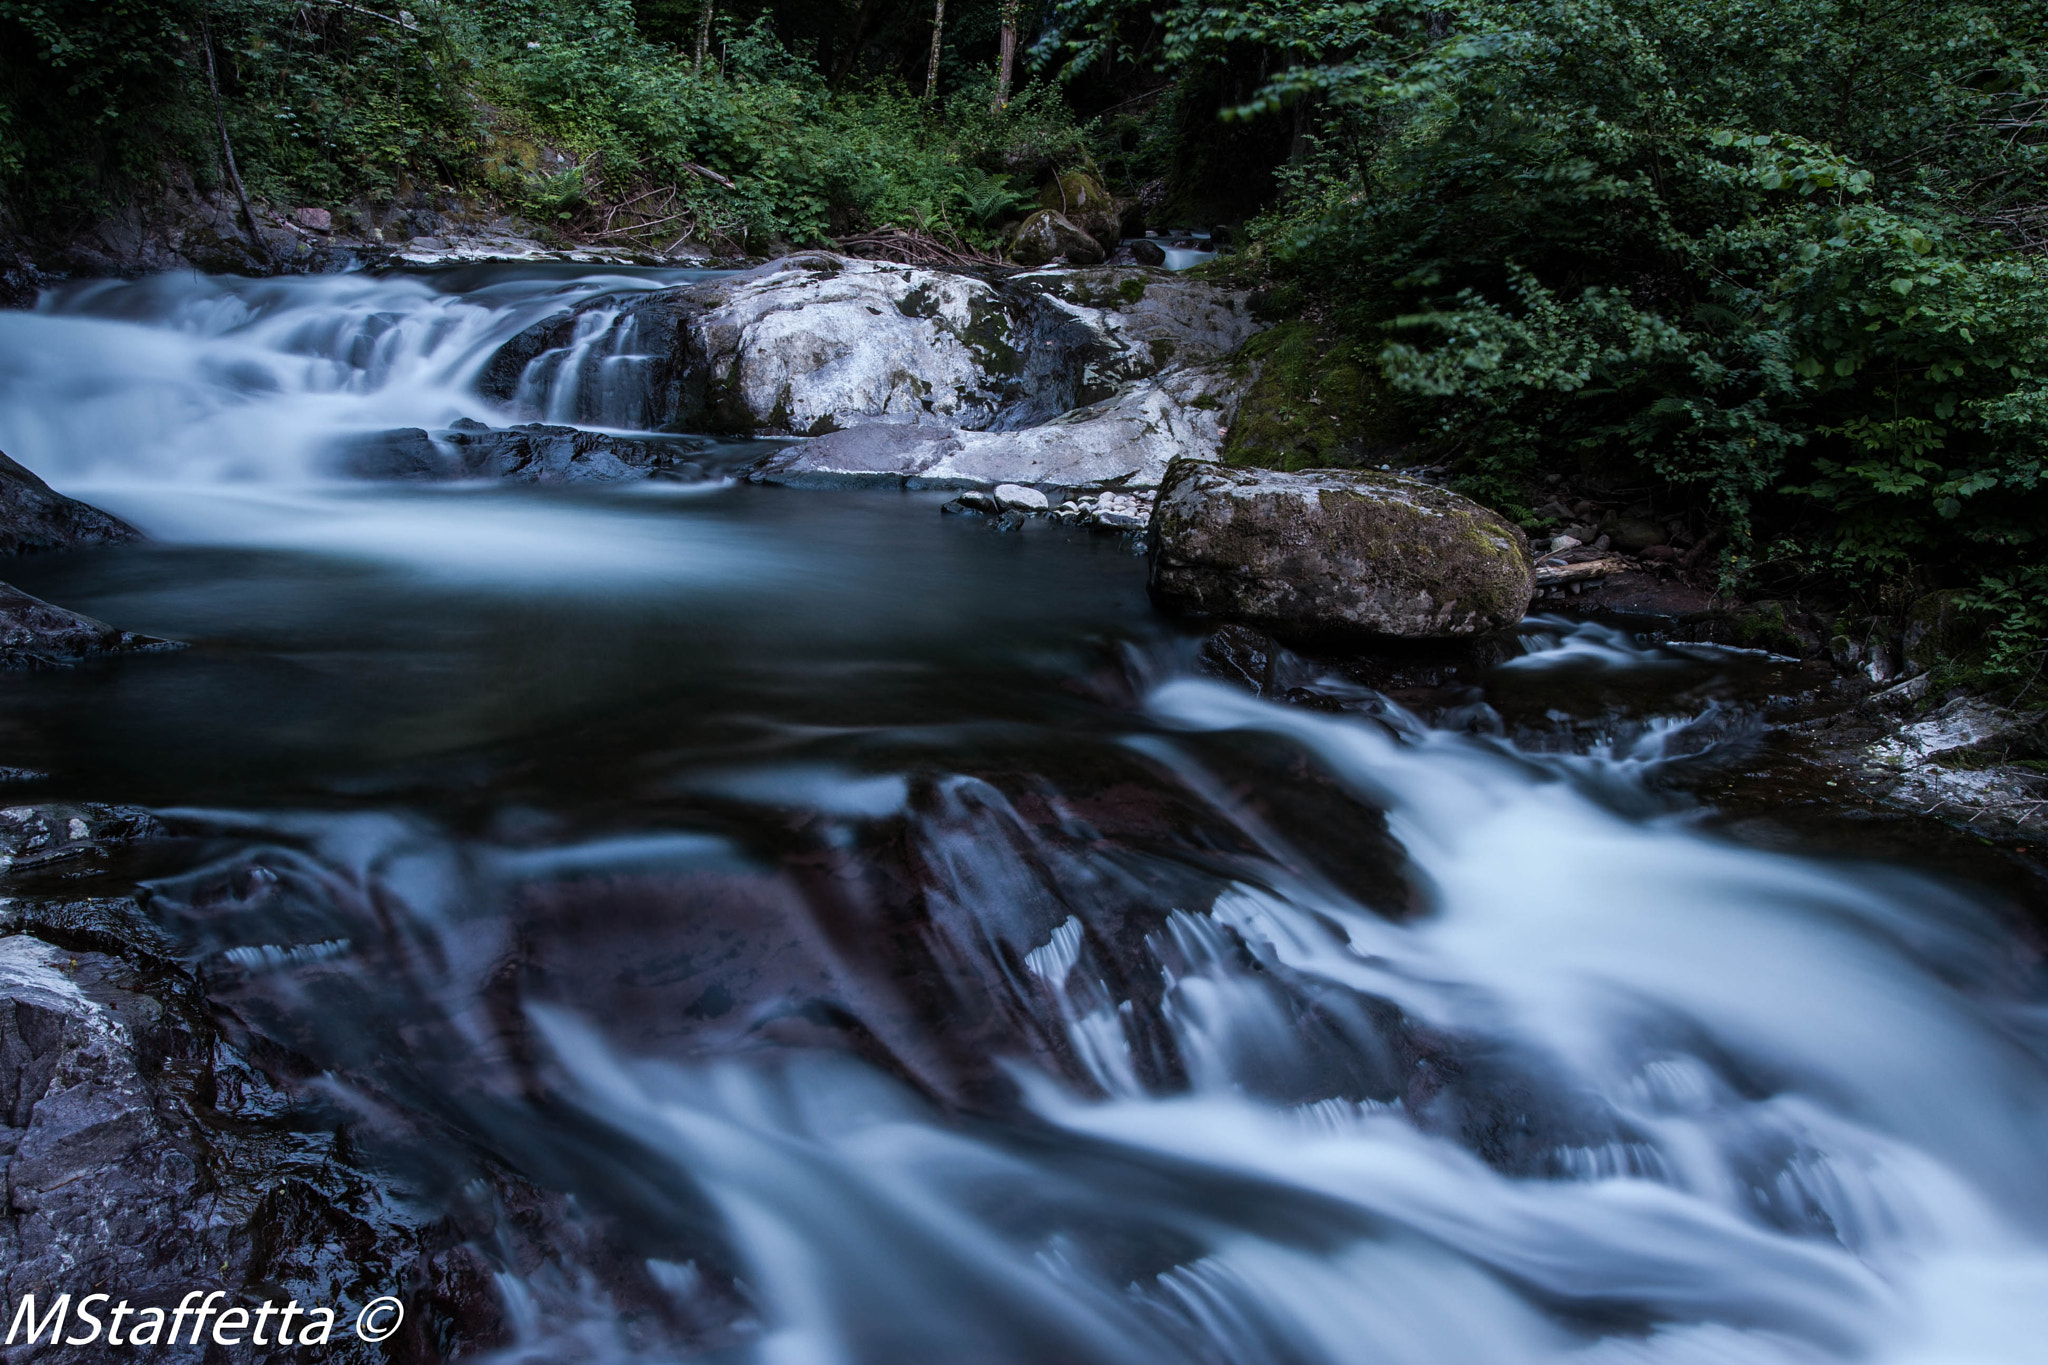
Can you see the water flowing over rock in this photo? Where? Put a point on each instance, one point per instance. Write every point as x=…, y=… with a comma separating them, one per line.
x=534, y=453
x=1335, y=550
x=34, y=516
x=146, y=1158
x=818, y=343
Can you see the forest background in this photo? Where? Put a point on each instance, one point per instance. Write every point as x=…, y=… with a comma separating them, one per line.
x=1771, y=269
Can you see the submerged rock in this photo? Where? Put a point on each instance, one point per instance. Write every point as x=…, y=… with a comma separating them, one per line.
x=1334, y=551
x=1126, y=442
x=38, y=634
x=533, y=453
x=35, y=516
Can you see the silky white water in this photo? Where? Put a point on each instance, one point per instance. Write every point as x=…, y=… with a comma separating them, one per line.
x=1808, y=1105
x=1143, y=1066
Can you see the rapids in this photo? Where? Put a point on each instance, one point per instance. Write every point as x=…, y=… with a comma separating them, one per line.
x=802, y=929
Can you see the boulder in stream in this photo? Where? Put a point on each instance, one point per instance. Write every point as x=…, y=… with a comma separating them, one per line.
x=35, y=516
x=1080, y=197
x=1334, y=551
x=815, y=343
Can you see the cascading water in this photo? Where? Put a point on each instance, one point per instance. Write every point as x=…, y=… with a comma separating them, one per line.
x=790, y=927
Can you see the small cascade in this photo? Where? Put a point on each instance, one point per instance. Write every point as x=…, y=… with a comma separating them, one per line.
x=599, y=379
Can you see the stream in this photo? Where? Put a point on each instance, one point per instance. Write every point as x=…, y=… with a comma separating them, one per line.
x=801, y=928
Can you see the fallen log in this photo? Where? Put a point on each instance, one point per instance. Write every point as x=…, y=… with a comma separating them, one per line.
x=1551, y=575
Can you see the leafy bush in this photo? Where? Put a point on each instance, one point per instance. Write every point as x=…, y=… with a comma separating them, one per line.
x=1781, y=256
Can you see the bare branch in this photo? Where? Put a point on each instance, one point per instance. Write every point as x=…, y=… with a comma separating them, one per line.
x=404, y=21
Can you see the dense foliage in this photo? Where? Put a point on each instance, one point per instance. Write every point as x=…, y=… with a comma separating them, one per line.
x=557, y=106
x=1783, y=257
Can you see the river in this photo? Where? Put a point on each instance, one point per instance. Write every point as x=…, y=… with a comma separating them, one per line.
x=867, y=938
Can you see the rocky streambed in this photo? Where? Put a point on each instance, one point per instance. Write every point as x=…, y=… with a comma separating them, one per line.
x=548, y=820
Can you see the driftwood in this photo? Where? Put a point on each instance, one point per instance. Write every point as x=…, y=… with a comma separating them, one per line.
x=1548, y=576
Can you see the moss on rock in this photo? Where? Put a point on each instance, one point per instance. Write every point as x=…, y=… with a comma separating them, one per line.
x=1334, y=551
x=1314, y=404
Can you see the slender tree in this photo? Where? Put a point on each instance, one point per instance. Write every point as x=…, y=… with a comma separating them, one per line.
x=931, y=75
x=1006, y=53
x=227, y=148
x=704, y=34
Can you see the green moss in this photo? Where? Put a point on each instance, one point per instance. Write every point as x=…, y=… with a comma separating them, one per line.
x=988, y=336
x=1316, y=404
x=1131, y=290
x=921, y=302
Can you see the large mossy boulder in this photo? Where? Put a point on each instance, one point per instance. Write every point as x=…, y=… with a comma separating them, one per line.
x=1331, y=551
x=1079, y=196
x=1048, y=236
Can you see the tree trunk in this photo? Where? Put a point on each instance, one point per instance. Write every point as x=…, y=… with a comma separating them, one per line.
x=842, y=68
x=227, y=148
x=704, y=35
x=1006, y=54
x=931, y=75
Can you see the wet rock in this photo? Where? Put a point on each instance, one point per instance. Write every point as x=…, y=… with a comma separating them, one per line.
x=1017, y=498
x=502, y=372
x=533, y=453
x=1048, y=236
x=817, y=343
x=1771, y=626
x=1119, y=511
x=37, y=634
x=1151, y=323
x=144, y=1156
x=1334, y=551
x=1147, y=253
x=1970, y=759
x=1125, y=442
x=876, y=455
x=34, y=516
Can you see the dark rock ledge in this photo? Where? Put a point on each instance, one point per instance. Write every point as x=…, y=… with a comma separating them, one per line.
x=143, y=1154
x=34, y=633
